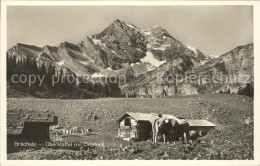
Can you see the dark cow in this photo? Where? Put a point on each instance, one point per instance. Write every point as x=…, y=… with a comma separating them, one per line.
x=182, y=128
x=171, y=128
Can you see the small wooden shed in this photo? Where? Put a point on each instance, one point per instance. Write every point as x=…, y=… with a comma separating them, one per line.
x=29, y=125
x=136, y=125
x=201, y=125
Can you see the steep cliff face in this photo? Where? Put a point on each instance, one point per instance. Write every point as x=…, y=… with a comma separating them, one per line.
x=180, y=76
x=235, y=69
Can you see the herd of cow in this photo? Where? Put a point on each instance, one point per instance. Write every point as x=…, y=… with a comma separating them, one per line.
x=60, y=131
x=173, y=129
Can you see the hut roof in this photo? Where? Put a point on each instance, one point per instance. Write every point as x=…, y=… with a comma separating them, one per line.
x=152, y=116
x=17, y=119
x=145, y=116
x=140, y=116
x=200, y=122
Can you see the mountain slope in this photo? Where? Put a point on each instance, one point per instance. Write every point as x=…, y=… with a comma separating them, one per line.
x=180, y=76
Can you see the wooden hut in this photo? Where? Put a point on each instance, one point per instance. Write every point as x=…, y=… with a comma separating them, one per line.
x=201, y=125
x=23, y=126
x=136, y=125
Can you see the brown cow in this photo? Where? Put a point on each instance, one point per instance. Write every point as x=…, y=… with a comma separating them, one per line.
x=172, y=128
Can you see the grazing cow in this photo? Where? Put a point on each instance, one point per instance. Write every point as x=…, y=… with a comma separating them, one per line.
x=74, y=129
x=61, y=132
x=193, y=135
x=55, y=127
x=58, y=133
x=86, y=131
x=67, y=132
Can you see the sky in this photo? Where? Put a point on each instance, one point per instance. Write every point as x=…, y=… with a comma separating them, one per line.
x=212, y=29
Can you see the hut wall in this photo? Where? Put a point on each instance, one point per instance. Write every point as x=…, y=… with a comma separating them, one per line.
x=128, y=131
x=122, y=123
x=36, y=131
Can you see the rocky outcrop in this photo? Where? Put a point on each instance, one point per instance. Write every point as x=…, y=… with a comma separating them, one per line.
x=227, y=73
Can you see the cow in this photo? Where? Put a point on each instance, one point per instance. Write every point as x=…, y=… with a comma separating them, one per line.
x=159, y=127
x=58, y=133
x=193, y=135
x=155, y=129
x=59, y=126
x=182, y=128
x=74, y=129
x=86, y=131
x=172, y=135
x=67, y=132
x=61, y=132
x=171, y=128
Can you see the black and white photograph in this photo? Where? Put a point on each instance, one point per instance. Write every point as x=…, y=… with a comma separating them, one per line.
x=129, y=82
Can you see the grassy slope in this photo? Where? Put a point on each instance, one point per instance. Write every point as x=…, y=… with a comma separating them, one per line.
x=230, y=140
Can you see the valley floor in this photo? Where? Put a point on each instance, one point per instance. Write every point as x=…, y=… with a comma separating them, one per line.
x=232, y=139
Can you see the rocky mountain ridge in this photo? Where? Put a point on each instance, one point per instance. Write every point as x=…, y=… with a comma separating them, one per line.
x=119, y=45
x=124, y=49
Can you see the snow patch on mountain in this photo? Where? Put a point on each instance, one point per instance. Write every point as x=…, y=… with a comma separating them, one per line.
x=96, y=41
x=131, y=26
x=162, y=47
x=113, y=51
x=83, y=62
x=147, y=32
x=150, y=67
x=96, y=75
x=192, y=49
x=214, y=56
x=165, y=37
x=150, y=59
x=39, y=57
x=91, y=60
